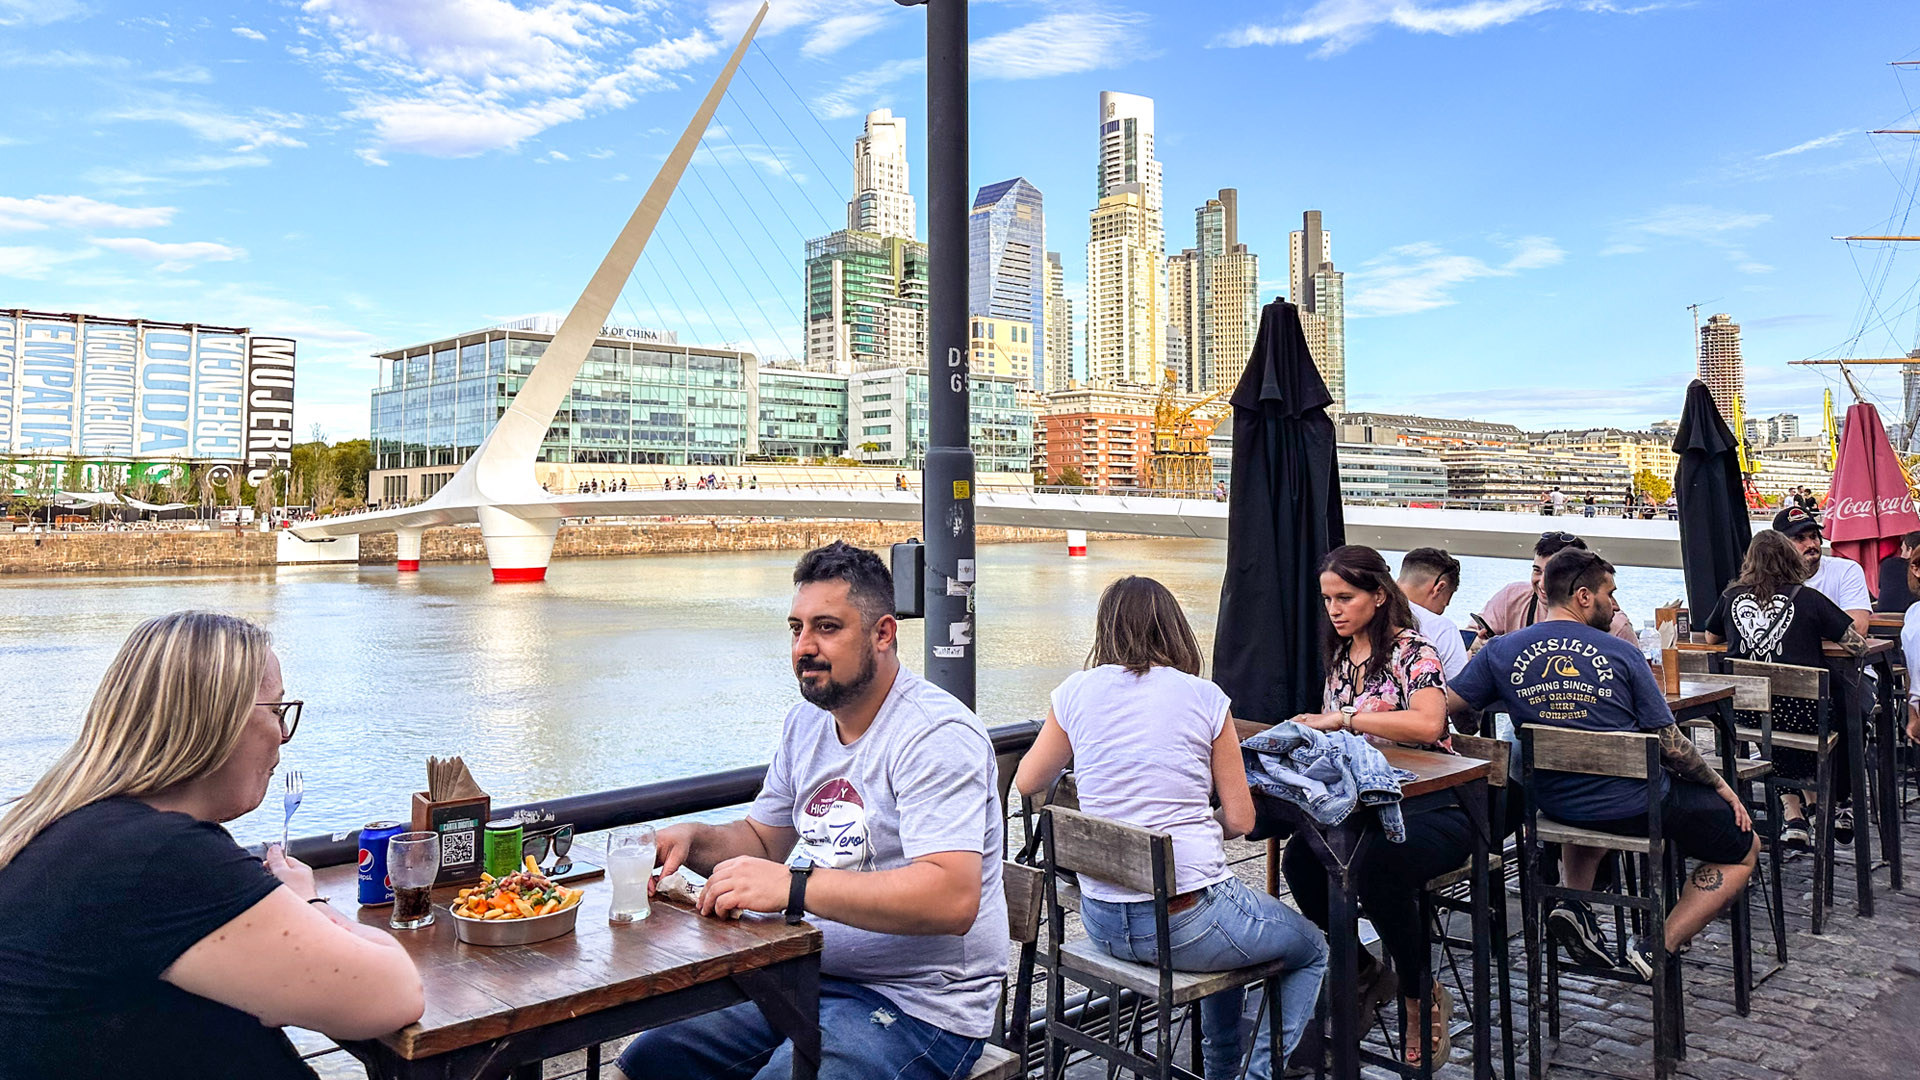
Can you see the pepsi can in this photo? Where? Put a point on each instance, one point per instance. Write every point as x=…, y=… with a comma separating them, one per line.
x=376, y=885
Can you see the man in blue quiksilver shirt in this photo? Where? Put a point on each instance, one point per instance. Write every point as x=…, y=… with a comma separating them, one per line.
x=1568, y=671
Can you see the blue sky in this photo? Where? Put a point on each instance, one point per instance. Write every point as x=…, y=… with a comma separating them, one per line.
x=1524, y=194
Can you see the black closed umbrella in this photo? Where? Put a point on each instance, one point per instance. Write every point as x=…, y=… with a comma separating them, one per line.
x=1714, y=528
x=1283, y=516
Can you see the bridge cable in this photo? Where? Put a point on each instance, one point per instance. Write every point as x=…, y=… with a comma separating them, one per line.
x=779, y=160
x=740, y=324
x=778, y=290
x=733, y=264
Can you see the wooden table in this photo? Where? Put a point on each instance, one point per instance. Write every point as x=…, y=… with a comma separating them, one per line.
x=499, y=1011
x=1440, y=780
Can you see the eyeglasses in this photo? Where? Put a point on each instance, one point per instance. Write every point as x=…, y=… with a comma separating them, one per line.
x=1560, y=537
x=558, y=840
x=287, y=712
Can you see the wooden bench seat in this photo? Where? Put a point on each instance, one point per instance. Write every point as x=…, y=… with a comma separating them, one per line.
x=1554, y=832
x=995, y=1063
x=1085, y=957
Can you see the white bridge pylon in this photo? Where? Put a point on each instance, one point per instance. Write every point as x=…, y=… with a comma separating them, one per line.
x=499, y=476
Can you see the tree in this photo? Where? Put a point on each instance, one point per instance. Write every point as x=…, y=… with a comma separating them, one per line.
x=236, y=488
x=1070, y=476
x=352, y=461
x=73, y=475
x=326, y=484
x=179, y=481
x=263, y=496
x=1648, y=482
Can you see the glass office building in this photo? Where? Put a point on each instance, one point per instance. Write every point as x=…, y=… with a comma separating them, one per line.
x=640, y=398
x=1006, y=259
x=887, y=420
x=802, y=414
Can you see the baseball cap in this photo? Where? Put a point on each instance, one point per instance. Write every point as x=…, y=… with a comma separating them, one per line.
x=1795, y=521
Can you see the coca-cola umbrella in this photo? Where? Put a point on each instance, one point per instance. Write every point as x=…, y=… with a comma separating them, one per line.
x=1868, y=505
x=1714, y=528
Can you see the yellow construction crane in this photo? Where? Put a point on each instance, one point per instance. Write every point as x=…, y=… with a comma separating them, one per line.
x=1182, y=457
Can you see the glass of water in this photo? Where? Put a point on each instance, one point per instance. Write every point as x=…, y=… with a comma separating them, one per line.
x=630, y=854
x=413, y=861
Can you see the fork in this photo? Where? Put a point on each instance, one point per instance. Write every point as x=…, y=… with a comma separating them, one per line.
x=296, y=790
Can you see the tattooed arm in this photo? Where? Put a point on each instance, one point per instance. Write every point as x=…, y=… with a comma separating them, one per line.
x=1683, y=759
x=1853, y=642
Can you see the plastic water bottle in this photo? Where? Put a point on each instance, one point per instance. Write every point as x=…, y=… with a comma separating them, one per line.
x=1650, y=643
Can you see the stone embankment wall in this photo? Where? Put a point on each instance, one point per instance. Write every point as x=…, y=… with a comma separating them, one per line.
x=50, y=553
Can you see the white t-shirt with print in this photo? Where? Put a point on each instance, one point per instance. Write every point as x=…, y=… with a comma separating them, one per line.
x=1843, y=582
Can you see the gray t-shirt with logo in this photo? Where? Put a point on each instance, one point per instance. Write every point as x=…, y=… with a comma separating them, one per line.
x=919, y=781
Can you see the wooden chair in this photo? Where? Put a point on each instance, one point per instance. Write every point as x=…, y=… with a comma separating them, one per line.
x=1444, y=893
x=1630, y=756
x=1811, y=685
x=1005, y=1055
x=1140, y=860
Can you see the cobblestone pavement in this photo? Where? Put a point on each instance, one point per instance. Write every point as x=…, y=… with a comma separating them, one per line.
x=1840, y=1010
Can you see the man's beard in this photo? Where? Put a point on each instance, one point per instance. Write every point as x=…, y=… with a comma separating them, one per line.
x=830, y=694
x=1600, y=620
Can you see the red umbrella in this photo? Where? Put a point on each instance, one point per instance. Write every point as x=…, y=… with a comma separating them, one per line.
x=1868, y=505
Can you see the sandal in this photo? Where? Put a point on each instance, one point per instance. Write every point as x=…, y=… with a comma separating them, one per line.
x=1442, y=1045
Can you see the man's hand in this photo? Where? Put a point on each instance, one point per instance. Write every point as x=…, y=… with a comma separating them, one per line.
x=1740, y=815
x=671, y=846
x=1913, y=721
x=746, y=884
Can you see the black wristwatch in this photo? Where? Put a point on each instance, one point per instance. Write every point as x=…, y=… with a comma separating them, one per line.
x=801, y=867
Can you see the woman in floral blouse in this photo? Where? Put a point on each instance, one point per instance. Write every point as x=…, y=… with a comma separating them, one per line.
x=1384, y=682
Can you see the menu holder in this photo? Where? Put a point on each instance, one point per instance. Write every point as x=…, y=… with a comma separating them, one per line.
x=459, y=823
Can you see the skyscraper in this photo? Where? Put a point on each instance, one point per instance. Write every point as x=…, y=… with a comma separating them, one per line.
x=882, y=202
x=1058, y=354
x=1213, y=296
x=1320, y=293
x=1720, y=365
x=867, y=284
x=1126, y=246
x=1006, y=251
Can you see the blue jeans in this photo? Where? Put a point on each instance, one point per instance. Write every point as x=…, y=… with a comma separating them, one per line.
x=1230, y=926
x=863, y=1036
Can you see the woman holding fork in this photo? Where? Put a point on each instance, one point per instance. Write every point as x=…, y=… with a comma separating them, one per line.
x=141, y=940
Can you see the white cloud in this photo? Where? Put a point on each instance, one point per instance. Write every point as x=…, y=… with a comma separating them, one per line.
x=1810, y=144
x=454, y=78
x=600, y=155
x=1418, y=277
x=1694, y=224
x=555, y=155
x=857, y=92
x=78, y=212
x=165, y=256
x=258, y=129
x=839, y=31
x=1059, y=44
x=249, y=33
x=1338, y=25
x=39, y=12
x=33, y=262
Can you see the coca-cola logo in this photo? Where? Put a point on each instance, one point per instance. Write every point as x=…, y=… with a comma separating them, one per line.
x=1842, y=507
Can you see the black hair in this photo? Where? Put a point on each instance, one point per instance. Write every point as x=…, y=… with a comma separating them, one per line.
x=869, y=582
x=1363, y=568
x=1551, y=544
x=1571, y=570
x=1434, y=562
x=1911, y=540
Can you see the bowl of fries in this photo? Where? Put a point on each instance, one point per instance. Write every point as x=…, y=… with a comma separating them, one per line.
x=518, y=909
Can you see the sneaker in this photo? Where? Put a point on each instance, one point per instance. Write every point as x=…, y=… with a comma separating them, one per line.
x=1640, y=957
x=1795, y=835
x=1843, y=824
x=1577, y=930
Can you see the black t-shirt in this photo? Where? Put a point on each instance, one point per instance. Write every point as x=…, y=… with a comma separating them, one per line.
x=1787, y=629
x=95, y=908
x=1894, y=594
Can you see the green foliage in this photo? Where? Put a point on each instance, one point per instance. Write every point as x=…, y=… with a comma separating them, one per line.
x=1070, y=476
x=1648, y=482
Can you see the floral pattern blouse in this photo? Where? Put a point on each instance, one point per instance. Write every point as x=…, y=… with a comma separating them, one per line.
x=1412, y=666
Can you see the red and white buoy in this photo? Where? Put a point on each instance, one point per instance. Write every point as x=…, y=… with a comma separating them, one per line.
x=1076, y=543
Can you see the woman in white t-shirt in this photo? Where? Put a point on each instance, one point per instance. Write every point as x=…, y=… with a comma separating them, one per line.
x=1151, y=742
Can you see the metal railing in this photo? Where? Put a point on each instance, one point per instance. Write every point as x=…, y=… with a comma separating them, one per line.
x=600, y=810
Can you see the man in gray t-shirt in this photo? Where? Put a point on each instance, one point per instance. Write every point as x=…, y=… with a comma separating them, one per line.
x=879, y=820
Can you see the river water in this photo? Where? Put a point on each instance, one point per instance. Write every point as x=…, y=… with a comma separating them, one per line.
x=615, y=672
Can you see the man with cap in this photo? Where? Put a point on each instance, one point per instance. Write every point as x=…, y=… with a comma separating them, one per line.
x=1845, y=583
x=1839, y=580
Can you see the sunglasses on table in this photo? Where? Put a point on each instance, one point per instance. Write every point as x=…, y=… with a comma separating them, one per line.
x=557, y=840
x=288, y=713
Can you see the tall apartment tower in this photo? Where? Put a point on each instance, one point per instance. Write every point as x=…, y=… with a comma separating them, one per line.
x=1320, y=292
x=1057, y=363
x=1720, y=365
x=882, y=202
x=1213, y=296
x=1910, y=397
x=1126, y=249
x=1006, y=253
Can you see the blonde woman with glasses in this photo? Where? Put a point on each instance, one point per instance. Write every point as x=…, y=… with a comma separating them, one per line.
x=140, y=939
